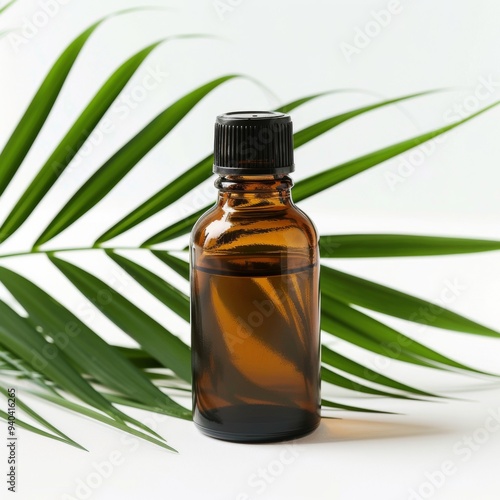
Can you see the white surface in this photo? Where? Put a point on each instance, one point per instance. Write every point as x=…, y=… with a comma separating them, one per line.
x=293, y=47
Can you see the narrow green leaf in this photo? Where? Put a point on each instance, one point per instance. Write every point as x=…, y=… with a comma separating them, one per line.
x=364, y=293
x=162, y=199
x=82, y=410
x=300, y=138
x=153, y=337
x=178, y=187
x=7, y=5
x=145, y=362
x=334, y=327
x=140, y=358
x=180, y=266
x=31, y=123
x=48, y=359
x=399, y=245
x=35, y=416
x=133, y=404
x=313, y=131
x=84, y=347
x=339, y=406
x=22, y=370
x=347, y=365
x=120, y=164
x=36, y=430
x=328, y=178
x=290, y=106
x=346, y=383
x=286, y=108
x=30, y=346
x=72, y=142
x=173, y=298
x=179, y=228
x=383, y=333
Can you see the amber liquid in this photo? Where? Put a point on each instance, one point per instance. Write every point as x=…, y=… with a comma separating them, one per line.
x=255, y=348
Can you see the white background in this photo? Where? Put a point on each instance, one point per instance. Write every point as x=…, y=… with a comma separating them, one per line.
x=294, y=48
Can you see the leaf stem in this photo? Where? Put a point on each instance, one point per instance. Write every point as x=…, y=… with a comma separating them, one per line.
x=35, y=251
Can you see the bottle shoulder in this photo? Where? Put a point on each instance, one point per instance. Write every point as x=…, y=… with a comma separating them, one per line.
x=263, y=229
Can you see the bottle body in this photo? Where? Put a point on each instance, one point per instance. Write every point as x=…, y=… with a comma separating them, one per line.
x=255, y=314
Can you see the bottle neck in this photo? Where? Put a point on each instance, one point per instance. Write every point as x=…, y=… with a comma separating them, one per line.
x=254, y=191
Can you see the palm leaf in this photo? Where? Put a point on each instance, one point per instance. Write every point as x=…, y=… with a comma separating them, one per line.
x=319, y=182
x=349, y=333
x=40, y=432
x=31, y=123
x=323, y=180
x=120, y=400
x=380, y=298
x=82, y=410
x=30, y=346
x=339, y=380
x=22, y=370
x=86, y=348
x=7, y=5
x=290, y=106
x=162, y=199
x=180, y=266
x=75, y=138
x=179, y=228
x=347, y=365
x=153, y=337
x=173, y=298
x=399, y=245
x=125, y=376
x=313, y=131
x=35, y=416
x=203, y=170
x=339, y=406
x=383, y=333
x=113, y=171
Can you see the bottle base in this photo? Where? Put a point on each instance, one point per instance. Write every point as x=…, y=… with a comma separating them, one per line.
x=256, y=423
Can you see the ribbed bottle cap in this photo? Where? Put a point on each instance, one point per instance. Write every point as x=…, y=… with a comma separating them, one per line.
x=253, y=143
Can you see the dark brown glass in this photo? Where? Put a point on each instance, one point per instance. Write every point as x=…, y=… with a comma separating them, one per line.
x=255, y=314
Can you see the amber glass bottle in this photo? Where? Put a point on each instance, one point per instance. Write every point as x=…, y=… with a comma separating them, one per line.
x=255, y=291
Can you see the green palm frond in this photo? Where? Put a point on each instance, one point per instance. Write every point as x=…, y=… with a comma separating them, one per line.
x=62, y=360
x=203, y=170
x=399, y=245
x=36, y=114
x=352, y=289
